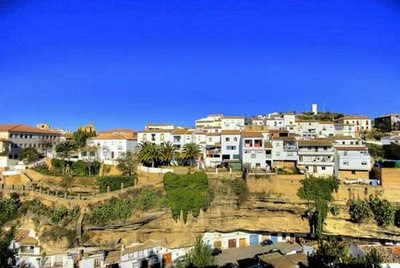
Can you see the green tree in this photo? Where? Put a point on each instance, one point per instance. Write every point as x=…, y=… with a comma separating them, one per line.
x=191, y=152
x=80, y=137
x=376, y=151
x=168, y=152
x=318, y=190
x=149, y=153
x=383, y=210
x=64, y=151
x=201, y=255
x=29, y=155
x=330, y=253
x=128, y=163
x=240, y=189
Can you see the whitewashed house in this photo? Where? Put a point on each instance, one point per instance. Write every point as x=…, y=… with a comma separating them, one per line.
x=28, y=251
x=213, y=152
x=231, y=147
x=254, y=154
x=316, y=157
x=232, y=123
x=284, y=152
x=110, y=145
x=156, y=136
x=149, y=254
x=352, y=162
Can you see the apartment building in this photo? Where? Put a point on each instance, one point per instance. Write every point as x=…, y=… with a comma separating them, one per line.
x=284, y=152
x=352, y=162
x=211, y=123
x=232, y=123
x=231, y=148
x=388, y=123
x=345, y=130
x=307, y=129
x=110, y=145
x=325, y=129
x=316, y=157
x=20, y=136
x=360, y=123
x=213, y=150
x=156, y=136
x=254, y=154
x=258, y=120
x=280, y=120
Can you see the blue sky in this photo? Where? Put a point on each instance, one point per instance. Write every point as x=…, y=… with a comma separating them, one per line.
x=125, y=63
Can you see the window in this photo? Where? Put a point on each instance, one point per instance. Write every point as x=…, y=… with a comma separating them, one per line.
x=235, y=139
x=153, y=137
x=231, y=147
x=323, y=168
x=345, y=163
x=227, y=139
x=253, y=156
x=353, y=172
x=364, y=163
x=162, y=137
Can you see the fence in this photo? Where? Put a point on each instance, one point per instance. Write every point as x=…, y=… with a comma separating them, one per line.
x=155, y=170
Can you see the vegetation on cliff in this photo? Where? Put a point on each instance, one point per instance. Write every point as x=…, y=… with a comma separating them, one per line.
x=187, y=193
x=381, y=210
x=318, y=190
x=200, y=256
x=114, y=182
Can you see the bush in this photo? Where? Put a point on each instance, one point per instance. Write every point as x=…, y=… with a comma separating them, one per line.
x=359, y=211
x=240, y=189
x=383, y=210
x=113, y=210
x=187, y=193
x=9, y=208
x=147, y=199
x=55, y=214
x=114, y=182
x=56, y=233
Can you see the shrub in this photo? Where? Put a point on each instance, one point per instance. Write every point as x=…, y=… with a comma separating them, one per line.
x=112, y=210
x=56, y=233
x=383, y=210
x=114, y=182
x=55, y=214
x=359, y=211
x=147, y=199
x=187, y=193
x=240, y=189
x=9, y=208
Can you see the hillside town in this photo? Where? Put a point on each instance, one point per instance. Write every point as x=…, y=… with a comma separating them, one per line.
x=233, y=186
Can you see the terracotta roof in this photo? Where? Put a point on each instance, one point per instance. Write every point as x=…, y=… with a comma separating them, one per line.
x=351, y=148
x=213, y=134
x=28, y=241
x=316, y=142
x=255, y=128
x=306, y=120
x=230, y=132
x=116, y=135
x=116, y=130
x=180, y=131
x=26, y=129
x=342, y=137
x=251, y=134
x=156, y=131
x=284, y=138
x=349, y=117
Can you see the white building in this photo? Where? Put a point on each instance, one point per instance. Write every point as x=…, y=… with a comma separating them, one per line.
x=111, y=144
x=28, y=251
x=352, y=162
x=211, y=123
x=360, y=123
x=156, y=136
x=316, y=157
x=213, y=152
x=232, y=123
x=231, y=146
x=284, y=152
x=149, y=254
x=254, y=153
x=22, y=136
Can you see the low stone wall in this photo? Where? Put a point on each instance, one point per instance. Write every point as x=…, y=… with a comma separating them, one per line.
x=155, y=170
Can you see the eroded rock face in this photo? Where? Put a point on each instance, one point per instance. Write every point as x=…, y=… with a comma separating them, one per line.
x=222, y=216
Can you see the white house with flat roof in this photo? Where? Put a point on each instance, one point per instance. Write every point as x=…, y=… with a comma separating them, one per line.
x=253, y=151
x=316, y=157
x=232, y=123
x=352, y=162
x=231, y=146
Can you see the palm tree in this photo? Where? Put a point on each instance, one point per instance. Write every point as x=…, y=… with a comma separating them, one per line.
x=168, y=152
x=149, y=153
x=191, y=152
